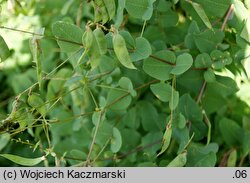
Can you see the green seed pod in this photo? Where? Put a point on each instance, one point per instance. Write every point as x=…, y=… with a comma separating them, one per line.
x=110, y=6
x=87, y=38
x=121, y=51
x=179, y=161
x=101, y=40
x=166, y=139
x=97, y=12
x=232, y=159
x=103, y=11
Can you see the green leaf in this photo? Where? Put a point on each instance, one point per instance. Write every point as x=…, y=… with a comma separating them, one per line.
x=224, y=86
x=23, y=161
x=207, y=161
x=119, y=14
x=182, y=137
x=70, y=33
x=142, y=9
x=215, y=8
x=97, y=117
x=191, y=81
x=142, y=50
x=209, y=76
x=189, y=108
x=200, y=11
x=189, y=38
x=4, y=139
x=131, y=138
x=162, y=91
x=149, y=116
x=220, y=59
x=104, y=133
x=163, y=6
x=183, y=63
x=166, y=139
x=181, y=121
x=127, y=84
x=212, y=101
x=232, y=159
x=168, y=19
x=4, y=51
x=107, y=64
x=159, y=66
x=130, y=42
x=118, y=100
x=245, y=33
x=231, y=132
x=131, y=119
x=207, y=41
x=121, y=51
x=35, y=101
x=78, y=154
x=174, y=100
x=179, y=161
x=203, y=60
x=116, y=141
x=202, y=156
x=151, y=138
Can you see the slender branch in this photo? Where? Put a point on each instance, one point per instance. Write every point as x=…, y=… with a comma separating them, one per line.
x=161, y=60
x=143, y=28
x=201, y=92
x=46, y=37
x=228, y=15
x=94, y=139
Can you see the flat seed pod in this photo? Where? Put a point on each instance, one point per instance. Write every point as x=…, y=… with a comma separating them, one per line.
x=110, y=6
x=101, y=40
x=179, y=161
x=101, y=7
x=121, y=51
x=87, y=38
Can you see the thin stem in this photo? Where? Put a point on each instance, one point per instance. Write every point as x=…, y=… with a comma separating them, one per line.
x=94, y=139
x=143, y=28
x=110, y=87
x=201, y=92
x=228, y=15
x=93, y=98
x=101, y=151
x=161, y=60
x=189, y=141
x=209, y=126
x=46, y=37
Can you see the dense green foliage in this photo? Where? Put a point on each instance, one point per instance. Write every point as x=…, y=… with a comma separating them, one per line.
x=125, y=83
